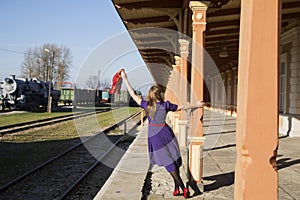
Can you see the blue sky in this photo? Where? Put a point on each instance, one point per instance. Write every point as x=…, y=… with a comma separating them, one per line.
x=83, y=26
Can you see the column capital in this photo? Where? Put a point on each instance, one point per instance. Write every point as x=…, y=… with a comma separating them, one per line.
x=199, y=13
x=184, y=47
x=198, y=5
x=177, y=60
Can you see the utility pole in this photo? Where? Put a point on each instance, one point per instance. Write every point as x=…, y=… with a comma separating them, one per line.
x=49, y=74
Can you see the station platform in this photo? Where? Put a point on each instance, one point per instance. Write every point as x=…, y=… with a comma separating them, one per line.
x=131, y=178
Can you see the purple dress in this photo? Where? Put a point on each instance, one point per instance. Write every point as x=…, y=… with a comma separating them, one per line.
x=162, y=144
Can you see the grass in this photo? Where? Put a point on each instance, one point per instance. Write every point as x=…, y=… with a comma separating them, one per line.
x=23, y=151
x=15, y=118
x=70, y=129
x=9, y=119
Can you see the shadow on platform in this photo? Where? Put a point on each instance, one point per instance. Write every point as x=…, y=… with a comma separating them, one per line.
x=285, y=162
x=220, y=180
x=222, y=147
x=147, y=187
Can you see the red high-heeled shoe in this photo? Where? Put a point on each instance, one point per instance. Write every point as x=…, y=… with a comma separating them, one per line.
x=176, y=192
x=186, y=193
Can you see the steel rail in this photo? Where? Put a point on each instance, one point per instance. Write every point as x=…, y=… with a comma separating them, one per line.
x=21, y=177
x=71, y=188
x=44, y=122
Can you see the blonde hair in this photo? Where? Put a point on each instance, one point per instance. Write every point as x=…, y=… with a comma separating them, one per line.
x=155, y=94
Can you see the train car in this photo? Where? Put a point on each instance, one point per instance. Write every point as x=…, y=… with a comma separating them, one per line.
x=120, y=98
x=106, y=97
x=66, y=96
x=124, y=98
x=26, y=94
x=71, y=95
x=95, y=97
x=85, y=96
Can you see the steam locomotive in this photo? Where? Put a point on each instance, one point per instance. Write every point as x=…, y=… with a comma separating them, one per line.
x=32, y=95
x=26, y=94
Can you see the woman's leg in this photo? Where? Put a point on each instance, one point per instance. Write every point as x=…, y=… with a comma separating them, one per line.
x=175, y=183
x=177, y=179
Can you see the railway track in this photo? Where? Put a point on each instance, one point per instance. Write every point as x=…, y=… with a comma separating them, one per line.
x=66, y=176
x=44, y=122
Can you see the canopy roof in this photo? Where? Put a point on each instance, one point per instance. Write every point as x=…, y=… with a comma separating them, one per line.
x=169, y=18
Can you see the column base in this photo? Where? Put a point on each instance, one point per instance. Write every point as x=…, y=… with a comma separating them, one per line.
x=196, y=158
x=289, y=125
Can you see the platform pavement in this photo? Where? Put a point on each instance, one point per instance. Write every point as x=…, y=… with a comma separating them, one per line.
x=130, y=177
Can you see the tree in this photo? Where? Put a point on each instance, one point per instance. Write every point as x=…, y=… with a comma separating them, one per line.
x=94, y=82
x=28, y=67
x=105, y=83
x=38, y=63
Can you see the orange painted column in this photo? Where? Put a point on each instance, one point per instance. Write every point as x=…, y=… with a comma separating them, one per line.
x=170, y=93
x=184, y=53
x=176, y=71
x=256, y=175
x=170, y=88
x=196, y=126
x=183, y=123
x=176, y=74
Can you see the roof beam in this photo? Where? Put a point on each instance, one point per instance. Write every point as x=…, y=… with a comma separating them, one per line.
x=231, y=11
x=222, y=38
x=217, y=43
x=149, y=39
x=229, y=47
x=151, y=4
x=223, y=31
x=219, y=24
x=290, y=5
x=290, y=15
x=148, y=20
x=217, y=3
x=155, y=54
x=151, y=50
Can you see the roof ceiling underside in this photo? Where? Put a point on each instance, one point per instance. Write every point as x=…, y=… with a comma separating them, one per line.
x=155, y=26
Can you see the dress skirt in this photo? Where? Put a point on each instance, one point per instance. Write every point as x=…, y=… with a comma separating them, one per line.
x=163, y=147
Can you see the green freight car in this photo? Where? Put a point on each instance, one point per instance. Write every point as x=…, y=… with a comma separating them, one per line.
x=66, y=96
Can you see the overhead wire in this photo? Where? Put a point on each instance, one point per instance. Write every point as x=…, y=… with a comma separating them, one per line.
x=17, y=52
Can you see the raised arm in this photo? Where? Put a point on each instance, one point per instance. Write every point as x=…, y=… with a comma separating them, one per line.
x=135, y=97
x=199, y=104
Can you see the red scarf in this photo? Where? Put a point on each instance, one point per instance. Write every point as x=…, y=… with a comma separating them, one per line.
x=116, y=83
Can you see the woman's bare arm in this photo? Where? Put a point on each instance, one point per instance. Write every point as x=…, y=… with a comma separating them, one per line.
x=135, y=97
x=199, y=104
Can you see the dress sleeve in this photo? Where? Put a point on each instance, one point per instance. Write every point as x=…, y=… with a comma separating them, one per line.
x=170, y=107
x=144, y=104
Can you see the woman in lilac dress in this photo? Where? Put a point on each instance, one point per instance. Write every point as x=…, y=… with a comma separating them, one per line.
x=162, y=144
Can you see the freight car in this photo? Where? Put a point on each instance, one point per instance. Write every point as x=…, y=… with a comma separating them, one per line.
x=70, y=95
x=92, y=96
x=123, y=97
x=106, y=97
x=26, y=94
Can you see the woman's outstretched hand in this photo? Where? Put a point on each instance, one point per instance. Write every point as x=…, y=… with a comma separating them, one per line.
x=123, y=74
x=200, y=104
x=135, y=97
